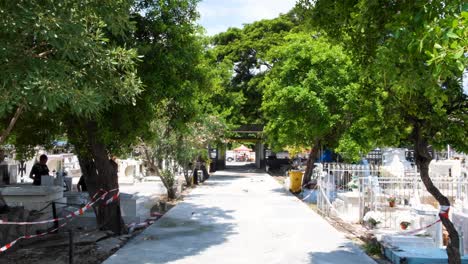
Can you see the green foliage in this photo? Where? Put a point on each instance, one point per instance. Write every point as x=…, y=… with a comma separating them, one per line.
x=372, y=249
x=56, y=56
x=169, y=178
x=177, y=147
x=60, y=64
x=85, y=73
x=165, y=37
x=411, y=69
x=243, y=56
x=308, y=92
x=448, y=37
x=172, y=73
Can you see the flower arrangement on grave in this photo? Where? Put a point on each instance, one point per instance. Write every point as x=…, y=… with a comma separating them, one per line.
x=353, y=184
x=372, y=219
x=405, y=219
x=391, y=201
x=404, y=225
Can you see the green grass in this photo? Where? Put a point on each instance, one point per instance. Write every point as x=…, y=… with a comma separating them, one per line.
x=372, y=249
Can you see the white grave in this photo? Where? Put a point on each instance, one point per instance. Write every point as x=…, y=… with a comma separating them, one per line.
x=347, y=205
x=128, y=169
x=32, y=197
x=394, y=162
x=445, y=168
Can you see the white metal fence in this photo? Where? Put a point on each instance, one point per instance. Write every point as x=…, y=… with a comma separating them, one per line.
x=349, y=191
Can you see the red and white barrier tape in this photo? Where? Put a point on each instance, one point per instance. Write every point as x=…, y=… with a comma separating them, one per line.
x=86, y=207
x=411, y=232
x=443, y=213
x=113, y=198
x=71, y=215
x=9, y=245
x=154, y=216
x=68, y=217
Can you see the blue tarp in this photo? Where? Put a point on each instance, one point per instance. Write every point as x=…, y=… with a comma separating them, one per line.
x=326, y=156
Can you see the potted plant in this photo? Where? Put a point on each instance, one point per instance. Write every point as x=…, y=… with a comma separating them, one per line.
x=372, y=219
x=372, y=223
x=391, y=201
x=404, y=225
x=353, y=185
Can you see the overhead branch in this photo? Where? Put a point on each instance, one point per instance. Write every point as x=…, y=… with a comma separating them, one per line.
x=43, y=55
x=12, y=123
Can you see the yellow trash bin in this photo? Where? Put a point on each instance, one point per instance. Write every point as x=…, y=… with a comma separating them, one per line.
x=295, y=180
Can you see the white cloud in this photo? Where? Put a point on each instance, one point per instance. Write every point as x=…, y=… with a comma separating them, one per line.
x=217, y=16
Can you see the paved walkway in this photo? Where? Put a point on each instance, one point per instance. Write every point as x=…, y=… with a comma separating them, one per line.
x=240, y=217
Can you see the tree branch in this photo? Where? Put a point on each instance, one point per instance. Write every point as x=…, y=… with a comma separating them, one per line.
x=13, y=120
x=42, y=55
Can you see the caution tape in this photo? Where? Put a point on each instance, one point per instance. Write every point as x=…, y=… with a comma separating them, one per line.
x=68, y=217
x=113, y=198
x=72, y=214
x=411, y=232
x=443, y=213
x=154, y=216
x=328, y=202
x=9, y=245
x=305, y=198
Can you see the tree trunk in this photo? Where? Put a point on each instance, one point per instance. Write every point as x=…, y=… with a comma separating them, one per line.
x=171, y=193
x=99, y=173
x=109, y=216
x=423, y=158
x=310, y=163
x=188, y=179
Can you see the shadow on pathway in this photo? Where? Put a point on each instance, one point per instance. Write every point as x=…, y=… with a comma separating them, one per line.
x=240, y=216
x=185, y=231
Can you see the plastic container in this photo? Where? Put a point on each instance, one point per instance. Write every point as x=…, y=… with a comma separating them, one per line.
x=295, y=177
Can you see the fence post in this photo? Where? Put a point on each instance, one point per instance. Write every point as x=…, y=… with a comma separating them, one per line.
x=459, y=187
x=319, y=194
x=71, y=246
x=54, y=214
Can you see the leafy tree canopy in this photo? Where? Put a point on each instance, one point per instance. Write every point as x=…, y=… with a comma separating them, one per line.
x=412, y=54
x=56, y=55
x=242, y=54
x=308, y=92
x=412, y=63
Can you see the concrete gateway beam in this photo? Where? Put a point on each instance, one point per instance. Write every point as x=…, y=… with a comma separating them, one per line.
x=253, y=133
x=249, y=129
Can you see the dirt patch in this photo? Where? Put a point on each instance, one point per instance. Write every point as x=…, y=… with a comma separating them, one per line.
x=55, y=249
x=91, y=246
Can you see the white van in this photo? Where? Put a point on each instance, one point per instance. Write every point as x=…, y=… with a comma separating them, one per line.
x=230, y=155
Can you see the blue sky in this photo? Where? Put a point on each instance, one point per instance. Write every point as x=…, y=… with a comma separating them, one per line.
x=218, y=15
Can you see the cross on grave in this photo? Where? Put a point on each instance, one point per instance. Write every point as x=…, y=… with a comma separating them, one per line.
x=22, y=169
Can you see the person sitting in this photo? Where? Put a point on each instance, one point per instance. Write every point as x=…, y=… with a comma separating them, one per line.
x=39, y=169
x=81, y=185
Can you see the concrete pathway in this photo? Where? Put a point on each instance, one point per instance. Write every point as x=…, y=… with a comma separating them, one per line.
x=240, y=217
